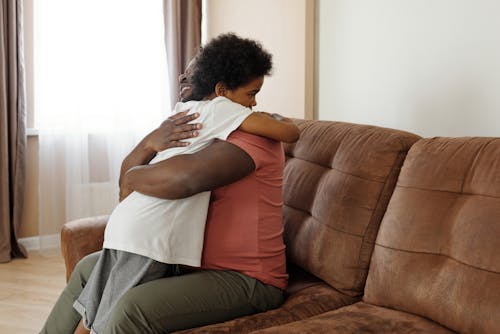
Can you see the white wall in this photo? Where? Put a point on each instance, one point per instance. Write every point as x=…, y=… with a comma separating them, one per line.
x=282, y=27
x=427, y=66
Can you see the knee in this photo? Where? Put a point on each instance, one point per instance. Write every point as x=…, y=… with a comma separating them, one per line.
x=128, y=316
x=84, y=267
x=80, y=275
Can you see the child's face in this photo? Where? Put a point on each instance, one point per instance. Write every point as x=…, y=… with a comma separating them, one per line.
x=245, y=94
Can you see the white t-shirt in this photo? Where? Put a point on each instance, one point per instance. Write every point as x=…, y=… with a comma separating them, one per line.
x=172, y=231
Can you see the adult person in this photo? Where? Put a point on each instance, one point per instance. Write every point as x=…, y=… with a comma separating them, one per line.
x=146, y=234
x=243, y=265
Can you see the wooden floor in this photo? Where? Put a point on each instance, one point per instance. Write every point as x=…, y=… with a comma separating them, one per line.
x=28, y=290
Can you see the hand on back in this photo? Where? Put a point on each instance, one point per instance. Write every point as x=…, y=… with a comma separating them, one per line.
x=172, y=131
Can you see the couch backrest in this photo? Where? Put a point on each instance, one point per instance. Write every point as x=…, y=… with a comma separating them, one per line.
x=338, y=180
x=438, y=249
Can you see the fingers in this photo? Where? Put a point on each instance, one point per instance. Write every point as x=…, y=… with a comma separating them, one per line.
x=178, y=115
x=183, y=118
x=183, y=135
x=186, y=128
x=178, y=144
x=187, y=118
x=175, y=129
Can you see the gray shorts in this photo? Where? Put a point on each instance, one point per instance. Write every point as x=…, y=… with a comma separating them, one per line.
x=115, y=273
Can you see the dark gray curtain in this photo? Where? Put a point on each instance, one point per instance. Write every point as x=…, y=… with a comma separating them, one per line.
x=12, y=128
x=182, y=38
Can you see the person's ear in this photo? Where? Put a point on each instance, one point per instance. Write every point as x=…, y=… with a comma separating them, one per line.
x=220, y=89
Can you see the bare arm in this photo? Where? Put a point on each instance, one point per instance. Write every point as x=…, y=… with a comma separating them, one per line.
x=272, y=126
x=168, y=134
x=219, y=164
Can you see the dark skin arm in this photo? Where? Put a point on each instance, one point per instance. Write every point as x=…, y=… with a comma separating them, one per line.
x=219, y=164
x=169, y=134
x=271, y=126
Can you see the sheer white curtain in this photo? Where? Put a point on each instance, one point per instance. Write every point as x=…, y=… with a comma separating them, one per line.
x=100, y=85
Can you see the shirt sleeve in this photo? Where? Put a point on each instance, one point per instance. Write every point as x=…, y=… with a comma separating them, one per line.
x=263, y=151
x=226, y=117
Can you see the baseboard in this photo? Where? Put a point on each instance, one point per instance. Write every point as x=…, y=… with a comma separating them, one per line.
x=41, y=242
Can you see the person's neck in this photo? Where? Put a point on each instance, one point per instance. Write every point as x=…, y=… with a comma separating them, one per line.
x=210, y=97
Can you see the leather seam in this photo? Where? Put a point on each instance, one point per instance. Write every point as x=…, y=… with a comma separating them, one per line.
x=438, y=254
x=446, y=191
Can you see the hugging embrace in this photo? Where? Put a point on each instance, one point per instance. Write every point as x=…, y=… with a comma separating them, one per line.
x=197, y=237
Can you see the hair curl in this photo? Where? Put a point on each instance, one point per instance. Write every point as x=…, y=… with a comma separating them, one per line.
x=229, y=59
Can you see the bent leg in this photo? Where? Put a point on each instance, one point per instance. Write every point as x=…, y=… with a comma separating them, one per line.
x=115, y=273
x=190, y=300
x=63, y=318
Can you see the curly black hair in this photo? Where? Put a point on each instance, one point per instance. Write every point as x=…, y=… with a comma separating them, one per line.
x=229, y=59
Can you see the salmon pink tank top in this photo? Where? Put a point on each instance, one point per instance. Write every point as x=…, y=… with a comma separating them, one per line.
x=244, y=229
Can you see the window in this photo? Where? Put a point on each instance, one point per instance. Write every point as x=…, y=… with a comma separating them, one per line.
x=100, y=84
x=99, y=65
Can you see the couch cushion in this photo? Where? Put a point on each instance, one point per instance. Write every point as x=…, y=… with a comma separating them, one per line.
x=81, y=237
x=338, y=180
x=300, y=305
x=437, y=252
x=361, y=318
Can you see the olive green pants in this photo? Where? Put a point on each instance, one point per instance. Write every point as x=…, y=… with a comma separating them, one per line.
x=168, y=304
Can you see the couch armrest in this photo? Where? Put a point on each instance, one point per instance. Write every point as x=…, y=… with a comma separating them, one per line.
x=80, y=238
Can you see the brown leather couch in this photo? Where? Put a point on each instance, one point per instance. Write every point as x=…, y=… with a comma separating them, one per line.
x=385, y=232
